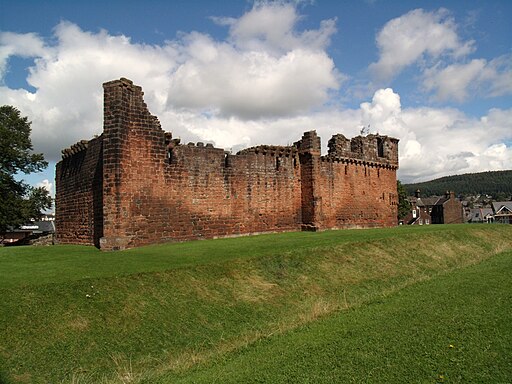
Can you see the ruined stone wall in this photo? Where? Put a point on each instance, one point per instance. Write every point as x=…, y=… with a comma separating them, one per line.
x=136, y=185
x=357, y=195
x=216, y=194
x=309, y=154
x=158, y=190
x=133, y=161
x=353, y=186
x=358, y=182
x=79, y=195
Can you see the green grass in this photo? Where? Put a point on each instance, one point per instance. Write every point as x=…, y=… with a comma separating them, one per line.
x=38, y=265
x=74, y=314
x=454, y=328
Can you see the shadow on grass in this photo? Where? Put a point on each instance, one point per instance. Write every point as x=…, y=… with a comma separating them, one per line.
x=3, y=379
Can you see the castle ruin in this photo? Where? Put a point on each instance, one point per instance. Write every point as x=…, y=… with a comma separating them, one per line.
x=135, y=184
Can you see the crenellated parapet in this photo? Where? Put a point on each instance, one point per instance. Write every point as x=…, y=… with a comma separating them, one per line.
x=272, y=150
x=370, y=149
x=310, y=142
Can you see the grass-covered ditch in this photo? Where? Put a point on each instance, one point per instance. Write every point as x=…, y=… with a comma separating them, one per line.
x=425, y=304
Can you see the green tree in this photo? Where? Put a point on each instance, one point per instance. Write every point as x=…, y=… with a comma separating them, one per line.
x=19, y=202
x=404, y=206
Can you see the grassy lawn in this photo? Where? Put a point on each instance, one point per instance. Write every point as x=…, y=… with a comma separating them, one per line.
x=194, y=311
x=454, y=328
x=39, y=265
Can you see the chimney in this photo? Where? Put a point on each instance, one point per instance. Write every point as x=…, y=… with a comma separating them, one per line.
x=450, y=195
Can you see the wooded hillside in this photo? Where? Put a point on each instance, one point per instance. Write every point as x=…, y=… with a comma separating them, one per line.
x=495, y=183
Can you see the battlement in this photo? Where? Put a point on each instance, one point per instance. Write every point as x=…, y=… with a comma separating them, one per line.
x=372, y=148
x=272, y=150
x=310, y=142
x=200, y=144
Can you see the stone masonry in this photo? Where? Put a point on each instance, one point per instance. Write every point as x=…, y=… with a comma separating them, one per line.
x=135, y=185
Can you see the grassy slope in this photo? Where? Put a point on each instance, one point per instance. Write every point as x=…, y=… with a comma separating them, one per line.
x=34, y=266
x=454, y=328
x=72, y=313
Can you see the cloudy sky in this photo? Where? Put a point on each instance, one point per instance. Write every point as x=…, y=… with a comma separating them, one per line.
x=435, y=74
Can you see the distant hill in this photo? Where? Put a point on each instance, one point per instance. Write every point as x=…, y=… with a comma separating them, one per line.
x=495, y=183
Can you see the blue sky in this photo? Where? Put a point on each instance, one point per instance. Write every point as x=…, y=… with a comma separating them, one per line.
x=435, y=74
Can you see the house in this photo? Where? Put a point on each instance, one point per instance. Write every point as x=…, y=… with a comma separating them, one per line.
x=31, y=232
x=420, y=210
x=445, y=209
x=481, y=215
x=502, y=212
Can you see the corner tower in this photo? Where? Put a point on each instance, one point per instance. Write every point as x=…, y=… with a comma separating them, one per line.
x=133, y=153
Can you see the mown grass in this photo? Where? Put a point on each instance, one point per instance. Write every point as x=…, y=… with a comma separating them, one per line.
x=38, y=265
x=454, y=328
x=73, y=314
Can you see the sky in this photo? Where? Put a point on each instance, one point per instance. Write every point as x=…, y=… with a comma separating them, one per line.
x=437, y=75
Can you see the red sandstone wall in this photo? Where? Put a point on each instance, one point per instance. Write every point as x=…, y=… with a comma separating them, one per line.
x=357, y=182
x=135, y=185
x=78, y=205
x=354, y=194
x=155, y=190
x=212, y=195
x=198, y=195
x=133, y=161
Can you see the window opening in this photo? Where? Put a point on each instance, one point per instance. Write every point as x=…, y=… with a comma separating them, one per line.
x=380, y=147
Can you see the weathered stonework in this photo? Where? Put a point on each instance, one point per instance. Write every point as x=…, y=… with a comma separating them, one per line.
x=136, y=185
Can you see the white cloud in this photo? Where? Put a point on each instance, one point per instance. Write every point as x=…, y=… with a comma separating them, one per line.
x=453, y=80
x=23, y=45
x=384, y=109
x=266, y=68
x=260, y=86
x=415, y=36
x=270, y=27
x=253, y=84
x=235, y=133
x=453, y=143
x=430, y=40
x=46, y=184
x=288, y=73
x=460, y=81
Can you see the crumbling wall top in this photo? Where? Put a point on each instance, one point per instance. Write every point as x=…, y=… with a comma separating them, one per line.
x=276, y=150
x=123, y=82
x=372, y=148
x=310, y=142
x=75, y=148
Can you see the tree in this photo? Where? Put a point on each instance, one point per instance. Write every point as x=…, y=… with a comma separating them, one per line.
x=19, y=202
x=404, y=206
